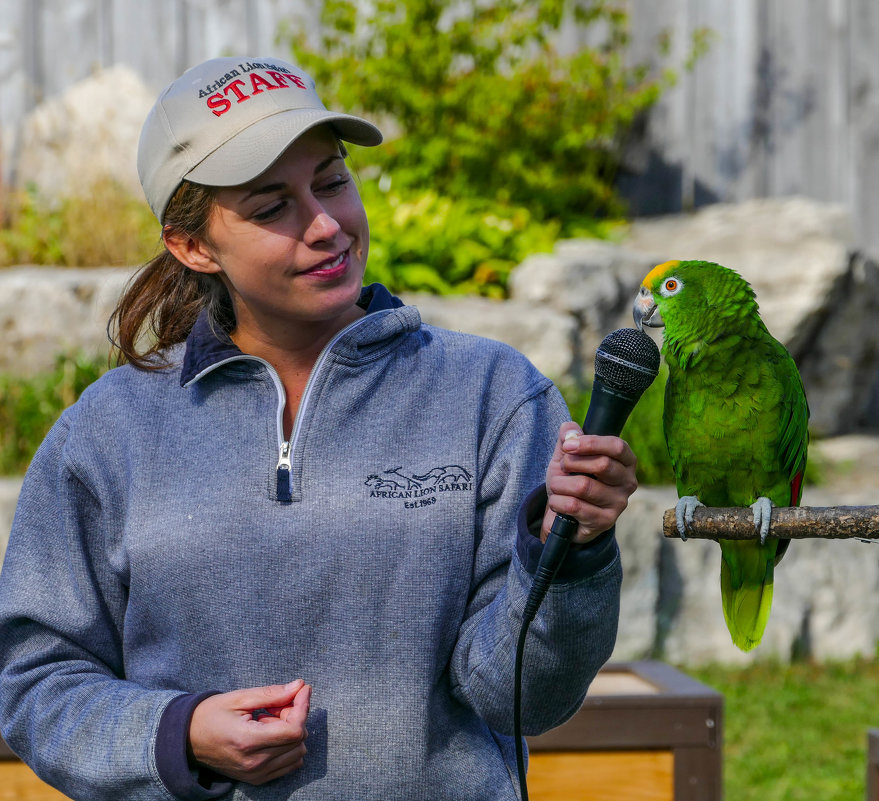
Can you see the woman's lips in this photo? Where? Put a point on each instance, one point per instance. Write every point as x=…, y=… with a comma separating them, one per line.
x=330, y=269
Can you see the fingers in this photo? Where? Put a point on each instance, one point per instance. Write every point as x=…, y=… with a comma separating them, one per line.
x=298, y=711
x=273, y=766
x=272, y=696
x=593, y=520
x=589, y=478
x=252, y=735
x=592, y=468
x=593, y=452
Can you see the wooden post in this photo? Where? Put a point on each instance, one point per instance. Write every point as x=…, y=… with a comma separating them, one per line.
x=788, y=522
x=872, y=765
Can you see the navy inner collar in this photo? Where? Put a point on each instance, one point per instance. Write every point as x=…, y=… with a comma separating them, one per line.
x=208, y=343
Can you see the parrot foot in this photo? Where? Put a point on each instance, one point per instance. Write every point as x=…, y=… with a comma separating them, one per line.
x=684, y=509
x=762, y=509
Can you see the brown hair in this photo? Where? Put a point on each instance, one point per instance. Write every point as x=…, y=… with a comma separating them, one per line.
x=164, y=298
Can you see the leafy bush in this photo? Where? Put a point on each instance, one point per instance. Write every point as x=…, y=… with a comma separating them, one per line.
x=479, y=100
x=29, y=407
x=420, y=240
x=104, y=226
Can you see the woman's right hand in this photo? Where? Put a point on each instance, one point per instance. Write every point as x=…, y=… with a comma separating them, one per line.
x=226, y=736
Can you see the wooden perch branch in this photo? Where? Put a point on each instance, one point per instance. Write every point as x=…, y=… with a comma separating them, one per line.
x=788, y=522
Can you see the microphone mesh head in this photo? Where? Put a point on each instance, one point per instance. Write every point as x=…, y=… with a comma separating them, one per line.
x=627, y=361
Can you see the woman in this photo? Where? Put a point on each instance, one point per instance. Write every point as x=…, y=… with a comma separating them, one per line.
x=294, y=480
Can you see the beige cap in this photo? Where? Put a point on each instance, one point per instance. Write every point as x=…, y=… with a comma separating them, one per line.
x=227, y=120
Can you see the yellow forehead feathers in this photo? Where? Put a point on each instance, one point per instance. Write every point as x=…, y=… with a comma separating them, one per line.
x=659, y=270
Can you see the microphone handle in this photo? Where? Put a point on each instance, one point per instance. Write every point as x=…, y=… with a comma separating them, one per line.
x=606, y=416
x=608, y=411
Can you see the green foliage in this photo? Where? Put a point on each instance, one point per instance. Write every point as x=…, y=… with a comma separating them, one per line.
x=480, y=102
x=29, y=407
x=104, y=226
x=795, y=732
x=421, y=241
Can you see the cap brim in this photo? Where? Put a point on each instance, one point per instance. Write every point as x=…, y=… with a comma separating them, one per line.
x=254, y=149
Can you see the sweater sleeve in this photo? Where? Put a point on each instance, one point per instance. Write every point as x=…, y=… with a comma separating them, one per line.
x=574, y=631
x=66, y=706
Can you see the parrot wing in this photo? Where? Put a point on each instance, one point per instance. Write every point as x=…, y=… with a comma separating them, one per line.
x=747, y=568
x=794, y=440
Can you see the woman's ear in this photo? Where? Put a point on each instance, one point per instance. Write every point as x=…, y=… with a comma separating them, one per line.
x=189, y=250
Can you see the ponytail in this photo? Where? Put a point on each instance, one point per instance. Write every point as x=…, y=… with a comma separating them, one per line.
x=164, y=298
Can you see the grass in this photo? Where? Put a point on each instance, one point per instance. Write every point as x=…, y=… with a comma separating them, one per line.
x=795, y=732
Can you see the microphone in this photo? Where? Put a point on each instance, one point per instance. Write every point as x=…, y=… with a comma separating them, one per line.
x=626, y=362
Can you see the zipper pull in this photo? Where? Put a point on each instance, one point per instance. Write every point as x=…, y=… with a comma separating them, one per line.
x=284, y=469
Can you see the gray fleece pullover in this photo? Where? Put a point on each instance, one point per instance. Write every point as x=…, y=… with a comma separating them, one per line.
x=168, y=542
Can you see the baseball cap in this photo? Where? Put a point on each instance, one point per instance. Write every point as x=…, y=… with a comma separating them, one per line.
x=227, y=120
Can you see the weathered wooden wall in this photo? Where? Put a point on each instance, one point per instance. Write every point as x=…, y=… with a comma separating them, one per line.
x=785, y=102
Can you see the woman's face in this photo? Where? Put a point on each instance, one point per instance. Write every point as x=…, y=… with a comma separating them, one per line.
x=291, y=245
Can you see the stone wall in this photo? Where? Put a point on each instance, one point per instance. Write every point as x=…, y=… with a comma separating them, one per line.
x=817, y=293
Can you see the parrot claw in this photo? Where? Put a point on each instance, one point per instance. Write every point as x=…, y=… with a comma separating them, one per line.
x=684, y=509
x=762, y=509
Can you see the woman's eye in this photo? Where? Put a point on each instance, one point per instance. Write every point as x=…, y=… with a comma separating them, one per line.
x=336, y=184
x=269, y=213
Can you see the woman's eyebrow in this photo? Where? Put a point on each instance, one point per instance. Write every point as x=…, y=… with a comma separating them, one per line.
x=326, y=163
x=267, y=189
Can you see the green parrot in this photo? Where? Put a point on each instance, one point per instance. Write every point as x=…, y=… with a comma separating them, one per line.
x=735, y=421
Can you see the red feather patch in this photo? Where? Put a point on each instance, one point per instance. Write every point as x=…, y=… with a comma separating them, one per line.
x=795, y=489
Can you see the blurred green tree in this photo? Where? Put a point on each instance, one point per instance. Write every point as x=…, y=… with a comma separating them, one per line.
x=478, y=99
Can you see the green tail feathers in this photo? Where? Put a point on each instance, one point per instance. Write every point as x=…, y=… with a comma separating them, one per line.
x=746, y=577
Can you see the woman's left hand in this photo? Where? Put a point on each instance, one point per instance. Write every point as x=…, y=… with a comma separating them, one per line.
x=589, y=478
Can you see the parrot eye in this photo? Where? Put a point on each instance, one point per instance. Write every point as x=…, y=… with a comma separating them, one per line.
x=671, y=286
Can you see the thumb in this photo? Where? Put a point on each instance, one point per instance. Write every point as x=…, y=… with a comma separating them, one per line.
x=272, y=695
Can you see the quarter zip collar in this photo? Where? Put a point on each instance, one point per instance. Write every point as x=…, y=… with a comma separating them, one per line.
x=209, y=346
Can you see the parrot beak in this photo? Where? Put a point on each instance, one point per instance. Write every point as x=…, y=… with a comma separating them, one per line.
x=645, y=312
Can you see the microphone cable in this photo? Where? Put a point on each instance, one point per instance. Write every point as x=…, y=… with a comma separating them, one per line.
x=558, y=541
x=626, y=362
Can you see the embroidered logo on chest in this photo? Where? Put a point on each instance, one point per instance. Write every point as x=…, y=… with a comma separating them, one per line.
x=417, y=490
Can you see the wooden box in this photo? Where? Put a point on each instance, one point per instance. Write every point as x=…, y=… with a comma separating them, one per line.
x=646, y=732
x=19, y=783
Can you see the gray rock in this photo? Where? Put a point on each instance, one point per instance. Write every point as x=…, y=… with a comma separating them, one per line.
x=839, y=360
x=642, y=626
x=87, y=134
x=817, y=293
x=546, y=337
x=593, y=281
x=826, y=592
x=47, y=311
x=9, y=490
x=791, y=250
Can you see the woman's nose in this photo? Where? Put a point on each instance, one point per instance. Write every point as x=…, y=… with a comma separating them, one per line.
x=323, y=226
